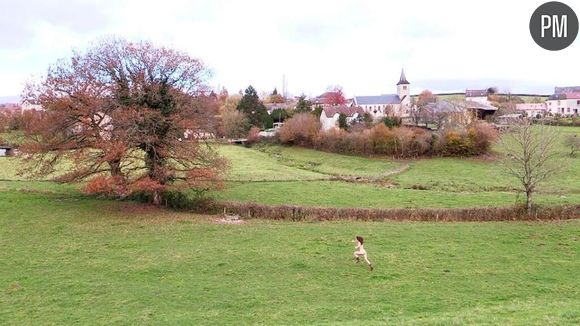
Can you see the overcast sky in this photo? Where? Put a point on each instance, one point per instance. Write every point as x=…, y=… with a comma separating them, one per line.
x=361, y=45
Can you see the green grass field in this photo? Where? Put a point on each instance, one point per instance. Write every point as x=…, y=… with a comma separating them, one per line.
x=67, y=259
x=290, y=175
x=433, y=182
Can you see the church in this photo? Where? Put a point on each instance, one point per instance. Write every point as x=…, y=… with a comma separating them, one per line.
x=379, y=106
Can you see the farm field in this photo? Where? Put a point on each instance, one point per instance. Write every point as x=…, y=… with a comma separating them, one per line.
x=276, y=175
x=68, y=259
x=433, y=182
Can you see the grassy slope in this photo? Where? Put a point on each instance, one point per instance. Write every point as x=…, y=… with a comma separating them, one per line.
x=448, y=182
x=329, y=163
x=289, y=175
x=342, y=194
x=252, y=165
x=69, y=260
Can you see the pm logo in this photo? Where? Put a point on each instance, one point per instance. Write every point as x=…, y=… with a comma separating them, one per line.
x=554, y=26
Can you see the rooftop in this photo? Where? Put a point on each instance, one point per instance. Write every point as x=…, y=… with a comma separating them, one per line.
x=380, y=99
x=475, y=92
x=349, y=111
x=403, y=79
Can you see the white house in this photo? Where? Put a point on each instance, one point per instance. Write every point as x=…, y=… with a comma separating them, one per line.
x=380, y=106
x=565, y=101
x=532, y=110
x=476, y=95
x=329, y=115
x=27, y=106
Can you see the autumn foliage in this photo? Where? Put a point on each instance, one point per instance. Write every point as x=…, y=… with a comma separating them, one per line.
x=301, y=129
x=334, y=96
x=126, y=116
x=399, y=142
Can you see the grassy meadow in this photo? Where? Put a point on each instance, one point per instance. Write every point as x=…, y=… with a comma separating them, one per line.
x=67, y=259
x=384, y=183
x=275, y=175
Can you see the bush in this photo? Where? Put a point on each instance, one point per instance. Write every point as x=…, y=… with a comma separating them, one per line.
x=234, y=124
x=392, y=122
x=253, y=136
x=305, y=213
x=400, y=142
x=301, y=129
x=279, y=115
x=482, y=136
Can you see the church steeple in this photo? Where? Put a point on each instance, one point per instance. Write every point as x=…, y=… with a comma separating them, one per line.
x=403, y=79
x=404, y=89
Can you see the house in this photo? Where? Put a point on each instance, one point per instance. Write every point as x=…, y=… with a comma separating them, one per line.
x=329, y=115
x=532, y=110
x=480, y=109
x=445, y=113
x=477, y=95
x=380, y=106
x=565, y=101
x=321, y=100
x=29, y=105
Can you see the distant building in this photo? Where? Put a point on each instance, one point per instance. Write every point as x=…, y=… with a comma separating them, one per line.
x=329, y=115
x=477, y=95
x=565, y=101
x=380, y=106
x=27, y=106
x=449, y=113
x=480, y=109
x=532, y=110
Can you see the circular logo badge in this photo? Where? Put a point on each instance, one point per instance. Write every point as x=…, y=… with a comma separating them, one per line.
x=554, y=26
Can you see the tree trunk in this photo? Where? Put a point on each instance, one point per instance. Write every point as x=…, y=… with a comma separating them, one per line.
x=156, y=198
x=115, y=166
x=529, y=202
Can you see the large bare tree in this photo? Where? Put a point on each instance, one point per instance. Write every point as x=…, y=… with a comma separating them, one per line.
x=122, y=110
x=531, y=156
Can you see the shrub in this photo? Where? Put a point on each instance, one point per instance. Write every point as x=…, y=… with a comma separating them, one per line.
x=279, y=115
x=392, y=122
x=342, y=123
x=301, y=129
x=253, y=136
x=400, y=142
x=482, y=135
x=454, y=143
x=306, y=213
x=234, y=124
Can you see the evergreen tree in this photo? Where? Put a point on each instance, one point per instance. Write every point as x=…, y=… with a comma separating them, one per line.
x=303, y=105
x=342, y=123
x=254, y=109
x=317, y=111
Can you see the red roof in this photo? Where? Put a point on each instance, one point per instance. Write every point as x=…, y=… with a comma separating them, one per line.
x=573, y=95
x=348, y=110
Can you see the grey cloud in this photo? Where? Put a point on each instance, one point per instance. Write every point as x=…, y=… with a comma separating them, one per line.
x=504, y=85
x=18, y=17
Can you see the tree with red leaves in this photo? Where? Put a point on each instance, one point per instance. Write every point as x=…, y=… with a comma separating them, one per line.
x=118, y=115
x=334, y=96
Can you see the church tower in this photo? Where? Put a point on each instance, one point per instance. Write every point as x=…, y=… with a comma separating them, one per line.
x=404, y=89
